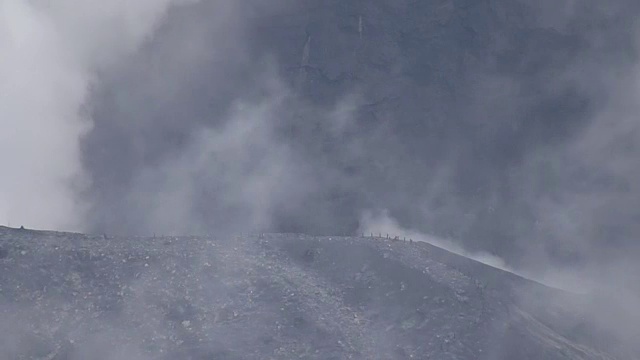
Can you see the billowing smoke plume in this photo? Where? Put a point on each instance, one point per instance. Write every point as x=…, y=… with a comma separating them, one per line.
x=51, y=53
x=508, y=127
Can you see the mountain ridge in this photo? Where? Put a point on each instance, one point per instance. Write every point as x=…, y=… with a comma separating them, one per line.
x=265, y=296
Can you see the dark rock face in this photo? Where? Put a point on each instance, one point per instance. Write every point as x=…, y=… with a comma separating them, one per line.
x=71, y=296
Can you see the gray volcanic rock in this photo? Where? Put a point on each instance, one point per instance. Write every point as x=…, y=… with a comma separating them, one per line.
x=277, y=296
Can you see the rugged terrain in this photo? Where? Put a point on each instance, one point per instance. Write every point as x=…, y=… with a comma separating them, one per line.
x=272, y=296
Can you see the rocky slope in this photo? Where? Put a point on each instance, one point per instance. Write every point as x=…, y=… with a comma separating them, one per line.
x=73, y=296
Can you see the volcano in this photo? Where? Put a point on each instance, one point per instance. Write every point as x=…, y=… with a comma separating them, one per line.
x=270, y=296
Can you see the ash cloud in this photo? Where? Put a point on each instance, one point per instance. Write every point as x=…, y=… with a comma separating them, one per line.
x=51, y=55
x=505, y=126
x=510, y=131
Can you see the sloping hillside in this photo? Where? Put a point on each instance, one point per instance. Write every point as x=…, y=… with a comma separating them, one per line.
x=73, y=296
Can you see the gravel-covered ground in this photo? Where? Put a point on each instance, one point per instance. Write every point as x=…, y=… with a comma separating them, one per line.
x=272, y=296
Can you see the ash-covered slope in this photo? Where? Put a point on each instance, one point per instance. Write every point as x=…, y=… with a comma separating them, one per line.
x=73, y=296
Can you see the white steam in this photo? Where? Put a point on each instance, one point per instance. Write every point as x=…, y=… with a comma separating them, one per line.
x=51, y=52
x=241, y=162
x=382, y=223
